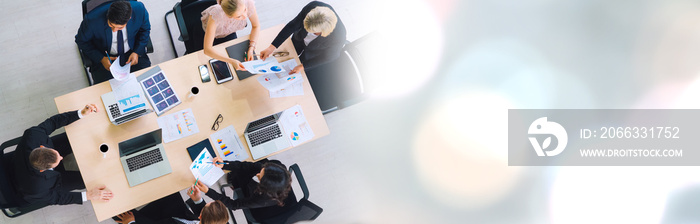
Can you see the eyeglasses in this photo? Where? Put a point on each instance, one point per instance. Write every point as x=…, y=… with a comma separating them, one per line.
x=280, y=54
x=218, y=120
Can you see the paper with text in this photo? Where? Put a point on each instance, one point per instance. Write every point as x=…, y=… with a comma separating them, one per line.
x=127, y=93
x=295, y=125
x=229, y=145
x=178, y=125
x=119, y=72
x=205, y=171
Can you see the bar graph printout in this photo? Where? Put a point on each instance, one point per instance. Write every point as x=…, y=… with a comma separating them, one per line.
x=178, y=125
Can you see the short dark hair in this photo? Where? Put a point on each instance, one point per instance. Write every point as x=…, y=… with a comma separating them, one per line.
x=275, y=183
x=215, y=213
x=119, y=12
x=42, y=158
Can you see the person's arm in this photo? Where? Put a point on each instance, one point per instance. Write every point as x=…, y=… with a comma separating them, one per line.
x=329, y=53
x=255, y=23
x=143, y=33
x=209, y=36
x=254, y=201
x=243, y=167
x=196, y=202
x=83, y=38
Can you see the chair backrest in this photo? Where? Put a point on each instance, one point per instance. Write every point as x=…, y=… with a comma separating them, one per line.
x=295, y=211
x=8, y=194
x=188, y=15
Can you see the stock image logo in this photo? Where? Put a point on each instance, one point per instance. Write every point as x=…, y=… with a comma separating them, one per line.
x=543, y=127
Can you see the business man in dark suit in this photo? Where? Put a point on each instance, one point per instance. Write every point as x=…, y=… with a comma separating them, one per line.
x=317, y=33
x=38, y=177
x=171, y=209
x=118, y=29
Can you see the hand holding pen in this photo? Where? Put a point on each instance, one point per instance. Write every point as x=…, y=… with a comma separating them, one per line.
x=218, y=162
x=88, y=109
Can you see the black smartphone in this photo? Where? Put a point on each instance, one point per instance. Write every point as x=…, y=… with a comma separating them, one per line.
x=204, y=73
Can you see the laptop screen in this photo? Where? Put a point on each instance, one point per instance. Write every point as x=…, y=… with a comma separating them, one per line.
x=138, y=143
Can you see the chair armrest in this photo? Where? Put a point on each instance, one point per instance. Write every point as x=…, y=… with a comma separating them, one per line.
x=9, y=143
x=86, y=61
x=300, y=178
x=149, y=46
x=181, y=22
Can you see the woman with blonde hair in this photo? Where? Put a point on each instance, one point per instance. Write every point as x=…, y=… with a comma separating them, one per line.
x=317, y=33
x=220, y=23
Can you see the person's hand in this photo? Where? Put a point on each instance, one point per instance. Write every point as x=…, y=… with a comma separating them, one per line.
x=237, y=64
x=88, y=109
x=194, y=193
x=297, y=69
x=218, y=160
x=133, y=58
x=267, y=52
x=250, y=54
x=126, y=217
x=202, y=187
x=106, y=63
x=99, y=193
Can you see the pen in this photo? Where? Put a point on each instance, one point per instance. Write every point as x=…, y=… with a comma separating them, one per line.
x=110, y=59
x=195, y=184
x=219, y=163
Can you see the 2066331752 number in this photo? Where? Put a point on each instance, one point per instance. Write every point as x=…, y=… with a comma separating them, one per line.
x=639, y=132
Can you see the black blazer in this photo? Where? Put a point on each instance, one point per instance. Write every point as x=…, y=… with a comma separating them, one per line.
x=183, y=214
x=260, y=206
x=95, y=36
x=322, y=49
x=42, y=187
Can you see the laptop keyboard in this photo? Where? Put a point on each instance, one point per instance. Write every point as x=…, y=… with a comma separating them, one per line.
x=130, y=117
x=114, y=110
x=265, y=135
x=144, y=160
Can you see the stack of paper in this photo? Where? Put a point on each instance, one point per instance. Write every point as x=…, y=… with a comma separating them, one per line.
x=296, y=126
x=283, y=84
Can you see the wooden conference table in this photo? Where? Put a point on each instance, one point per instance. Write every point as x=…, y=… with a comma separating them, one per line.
x=239, y=102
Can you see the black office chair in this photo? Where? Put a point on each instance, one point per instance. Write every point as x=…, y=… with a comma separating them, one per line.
x=302, y=210
x=8, y=194
x=343, y=82
x=89, y=5
x=188, y=15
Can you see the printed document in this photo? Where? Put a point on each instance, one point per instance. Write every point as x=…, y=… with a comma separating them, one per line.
x=269, y=65
x=178, y=125
x=229, y=145
x=119, y=72
x=296, y=126
x=127, y=93
x=204, y=170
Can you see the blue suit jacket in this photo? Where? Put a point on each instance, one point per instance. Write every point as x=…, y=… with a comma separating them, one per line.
x=94, y=36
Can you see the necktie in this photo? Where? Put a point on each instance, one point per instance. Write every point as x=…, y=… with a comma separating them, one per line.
x=120, y=46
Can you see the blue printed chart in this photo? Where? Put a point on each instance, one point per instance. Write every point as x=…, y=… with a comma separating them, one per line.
x=203, y=170
x=128, y=94
x=269, y=65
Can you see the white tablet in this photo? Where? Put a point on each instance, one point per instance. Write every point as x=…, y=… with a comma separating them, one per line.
x=222, y=71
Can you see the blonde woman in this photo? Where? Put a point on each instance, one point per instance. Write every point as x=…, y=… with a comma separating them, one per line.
x=220, y=23
x=317, y=34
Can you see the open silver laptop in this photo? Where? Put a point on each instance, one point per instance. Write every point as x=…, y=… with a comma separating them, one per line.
x=265, y=136
x=144, y=158
x=115, y=114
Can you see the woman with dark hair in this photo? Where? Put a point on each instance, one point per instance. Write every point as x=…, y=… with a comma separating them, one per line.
x=264, y=196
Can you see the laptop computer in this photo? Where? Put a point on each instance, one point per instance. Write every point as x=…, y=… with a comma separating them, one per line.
x=265, y=136
x=237, y=52
x=115, y=114
x=143, y=158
